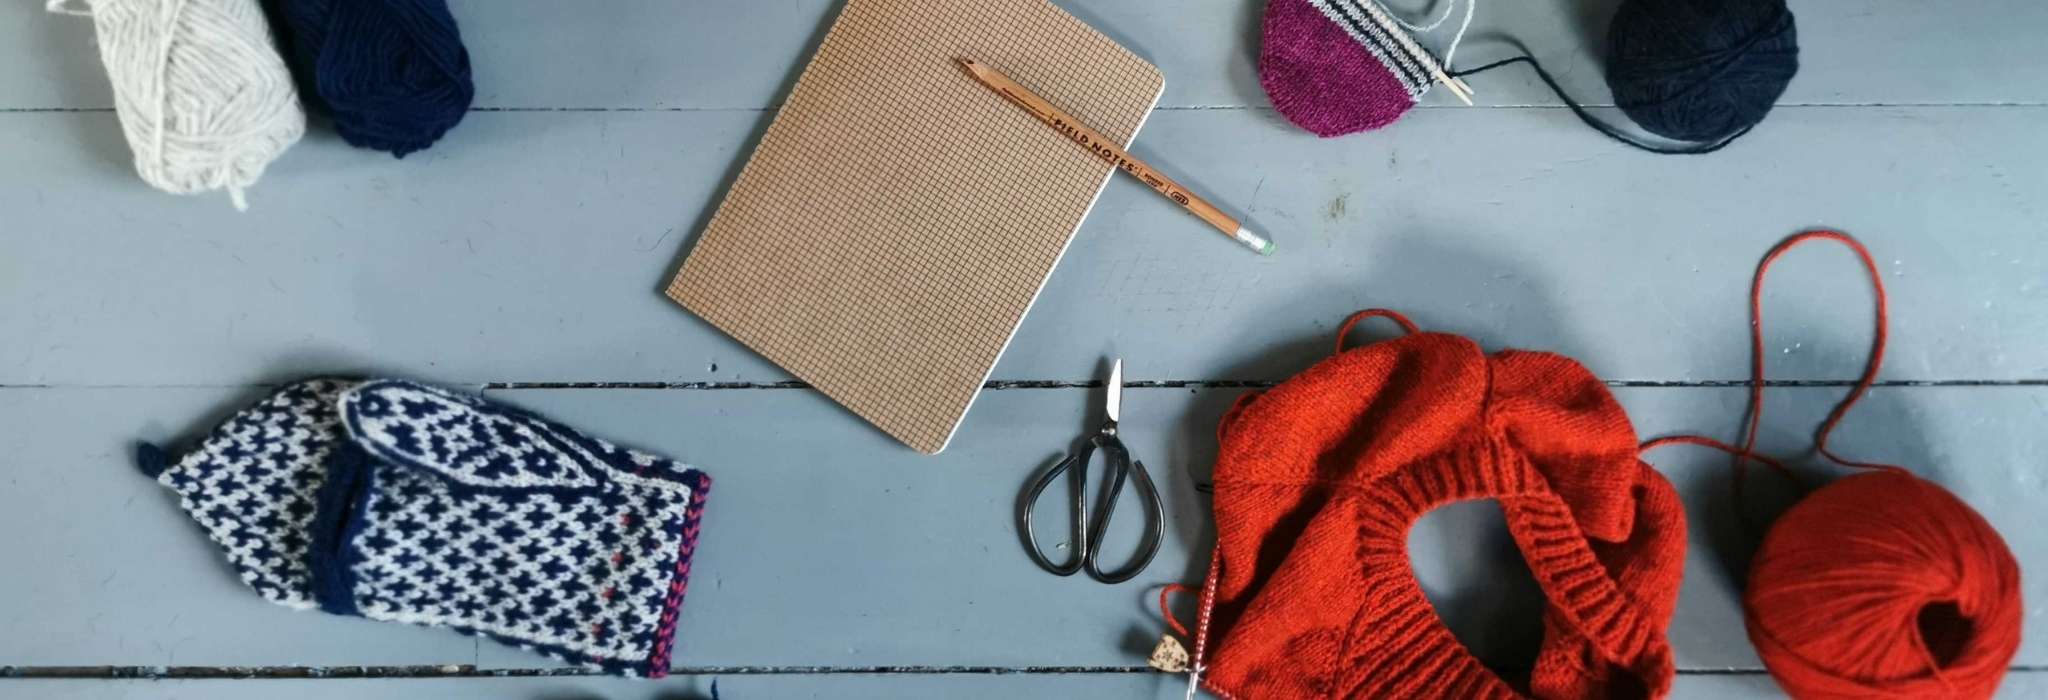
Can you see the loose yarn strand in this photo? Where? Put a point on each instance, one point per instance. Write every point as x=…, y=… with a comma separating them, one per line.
x=1738, y=452
x=1407, y=327
x=1433, y=24
x=1451, y=51
x=1754, y=408
x=1610, y=131
x=1870, y=368
x=1166, y=608
x=1879, y=584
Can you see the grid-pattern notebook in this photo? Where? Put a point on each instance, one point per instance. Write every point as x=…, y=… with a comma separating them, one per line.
x=898, y=219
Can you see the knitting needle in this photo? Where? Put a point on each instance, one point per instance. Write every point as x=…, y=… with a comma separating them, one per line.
x=1405, y=43
x=1456, y=86
x=1106, y=149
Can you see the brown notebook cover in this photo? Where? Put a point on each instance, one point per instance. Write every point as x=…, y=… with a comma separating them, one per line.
x=887, y=236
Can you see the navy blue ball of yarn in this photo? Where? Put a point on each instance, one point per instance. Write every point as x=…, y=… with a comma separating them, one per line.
x=1700, y=70
x=393, y=74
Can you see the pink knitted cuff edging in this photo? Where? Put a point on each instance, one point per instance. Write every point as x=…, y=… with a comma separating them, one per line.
x=665, y=636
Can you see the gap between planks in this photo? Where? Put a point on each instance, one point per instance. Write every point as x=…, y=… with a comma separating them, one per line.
x=1010, y=384
x=1017, y=384
x=469, y=671
x=1174, y=108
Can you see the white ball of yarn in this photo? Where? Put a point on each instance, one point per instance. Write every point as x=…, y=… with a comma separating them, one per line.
x=204, y=98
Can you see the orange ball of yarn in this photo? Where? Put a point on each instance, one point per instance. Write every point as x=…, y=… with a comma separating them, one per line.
x=1883, y=584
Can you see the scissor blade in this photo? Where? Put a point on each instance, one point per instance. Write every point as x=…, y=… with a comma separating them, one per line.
x=1116, y=389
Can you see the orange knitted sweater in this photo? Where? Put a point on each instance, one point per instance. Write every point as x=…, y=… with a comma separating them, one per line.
x=1311, y=594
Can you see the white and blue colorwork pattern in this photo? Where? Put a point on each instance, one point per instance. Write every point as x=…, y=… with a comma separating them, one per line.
x=396, y=501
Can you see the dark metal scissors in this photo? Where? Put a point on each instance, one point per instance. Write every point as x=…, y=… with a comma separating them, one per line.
x=1088, y=530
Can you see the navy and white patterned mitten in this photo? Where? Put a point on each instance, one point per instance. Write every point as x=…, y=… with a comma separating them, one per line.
x=454, y=511
x=416, y=505
x=251, y=485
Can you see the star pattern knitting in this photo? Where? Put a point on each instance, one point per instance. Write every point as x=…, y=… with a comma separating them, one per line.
x=449, y=510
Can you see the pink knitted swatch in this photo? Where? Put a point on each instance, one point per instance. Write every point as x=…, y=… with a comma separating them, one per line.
x=1337, y=67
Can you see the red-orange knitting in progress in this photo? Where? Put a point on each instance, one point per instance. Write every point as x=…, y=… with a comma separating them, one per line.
x=1311, y=594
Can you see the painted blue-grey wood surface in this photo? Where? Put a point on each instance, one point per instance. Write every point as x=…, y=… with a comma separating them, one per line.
x=834, y=550
x=548, y=232
x=833, y=687
x=523, y=255
x=702, y=54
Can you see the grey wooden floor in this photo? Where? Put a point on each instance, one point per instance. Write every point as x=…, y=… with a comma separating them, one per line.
x=522, y=257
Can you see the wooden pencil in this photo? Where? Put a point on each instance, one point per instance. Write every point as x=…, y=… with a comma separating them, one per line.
x=1108, y=150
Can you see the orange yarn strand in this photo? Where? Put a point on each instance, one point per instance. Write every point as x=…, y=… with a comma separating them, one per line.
x=1881, y=584
x=1407, y=326
x=1166, y=610
x=1756, y=346
x=1755, y=411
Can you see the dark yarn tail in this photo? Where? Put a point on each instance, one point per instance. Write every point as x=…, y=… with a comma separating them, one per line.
x=1609, y=130
x=152, y=460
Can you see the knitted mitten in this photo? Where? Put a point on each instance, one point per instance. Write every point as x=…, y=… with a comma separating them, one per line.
x=251, y=485
x=396, y=501
x=1337, y=67
x=448, y=510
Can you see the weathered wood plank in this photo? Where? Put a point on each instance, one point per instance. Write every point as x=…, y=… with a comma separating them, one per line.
x=827, y=545
x=793, y=687
x=680, y=54
x=528, y=248
x=2020, y=684
x=541, y=263
x=103, y=566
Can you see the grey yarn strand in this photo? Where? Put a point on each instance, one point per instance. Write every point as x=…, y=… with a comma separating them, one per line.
x=203, y=96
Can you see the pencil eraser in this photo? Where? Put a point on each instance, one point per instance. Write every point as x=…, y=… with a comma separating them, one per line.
x=1251, y=239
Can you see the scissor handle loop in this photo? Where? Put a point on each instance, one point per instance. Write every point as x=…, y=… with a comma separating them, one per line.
x=1029, y=500
x=1088, y=532
x=1148, y=498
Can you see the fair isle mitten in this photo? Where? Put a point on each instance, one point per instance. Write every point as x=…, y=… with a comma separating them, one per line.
x=1337, y=67
x=452, y=511
x=251, y=483
x=389, y=517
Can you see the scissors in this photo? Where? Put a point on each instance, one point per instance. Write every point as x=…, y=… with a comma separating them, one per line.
x=1088, y=530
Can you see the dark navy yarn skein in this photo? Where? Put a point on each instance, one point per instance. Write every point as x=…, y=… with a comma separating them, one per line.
x=1699, y=73
x=393, y=73
x=1700, y=70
